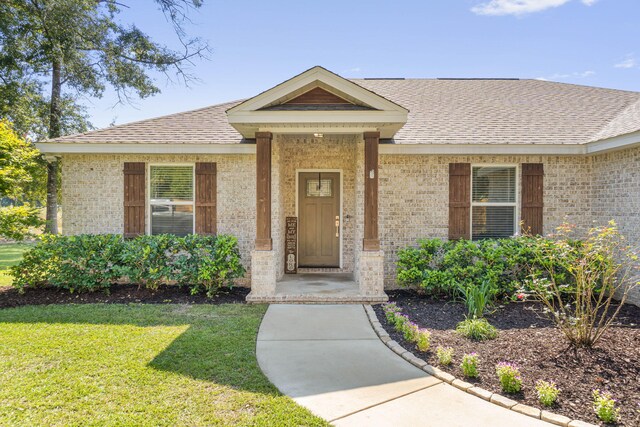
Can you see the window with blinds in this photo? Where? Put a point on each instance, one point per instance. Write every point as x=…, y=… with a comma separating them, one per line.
x=171, y=199
x=493, y=202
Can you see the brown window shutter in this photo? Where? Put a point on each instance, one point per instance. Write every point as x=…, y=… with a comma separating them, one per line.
x=206, y=198
x=459, y=201
x=134, y=198
x=532, y=198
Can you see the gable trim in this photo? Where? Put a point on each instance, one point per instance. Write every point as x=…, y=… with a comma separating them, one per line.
x=308, y=77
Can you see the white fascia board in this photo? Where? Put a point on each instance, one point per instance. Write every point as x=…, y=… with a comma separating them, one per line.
x=281, y=117
x=147, y=148
x=308, y=77
x=616, y=143
x=483, y=149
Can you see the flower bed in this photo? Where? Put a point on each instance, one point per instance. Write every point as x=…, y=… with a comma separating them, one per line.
x=529, y=341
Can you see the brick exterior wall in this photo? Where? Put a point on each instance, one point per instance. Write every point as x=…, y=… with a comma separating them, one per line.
x=92, y=194
x=413, y=193
x=414, y=196
x=615, y=192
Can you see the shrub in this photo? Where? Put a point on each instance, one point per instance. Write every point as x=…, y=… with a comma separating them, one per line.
x=469, y=365
x=423, y=340
x=605, y=406
x=92, y=262
x=444, y=267
x=77, y=263
x=509, y=376
x=477, y=329
x=547, y=392
x=445, y=355
x=577, y=280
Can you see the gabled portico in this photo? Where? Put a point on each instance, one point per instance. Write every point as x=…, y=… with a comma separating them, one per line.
x=313, y=124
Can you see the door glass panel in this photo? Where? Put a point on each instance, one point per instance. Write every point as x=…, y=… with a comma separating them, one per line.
x=319, y=187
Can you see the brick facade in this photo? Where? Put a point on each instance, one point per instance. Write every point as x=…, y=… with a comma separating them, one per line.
x=413, y=193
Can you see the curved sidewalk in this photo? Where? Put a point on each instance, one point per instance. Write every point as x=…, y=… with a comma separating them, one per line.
x=329, y=359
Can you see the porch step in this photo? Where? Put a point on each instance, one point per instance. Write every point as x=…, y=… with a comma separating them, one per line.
x=317, y=299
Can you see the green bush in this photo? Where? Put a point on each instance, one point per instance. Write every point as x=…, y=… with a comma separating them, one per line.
x=443, y=268
x=477, y=329
x=93, y=262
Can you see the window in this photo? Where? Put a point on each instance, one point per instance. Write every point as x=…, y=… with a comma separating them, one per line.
x=319, y=187
x=493, y=202
x=171, y=199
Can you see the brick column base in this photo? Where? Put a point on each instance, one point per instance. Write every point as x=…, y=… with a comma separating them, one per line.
x=263, y=275
x=370, y=274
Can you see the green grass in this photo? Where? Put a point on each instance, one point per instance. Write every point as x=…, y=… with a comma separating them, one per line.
x=137, y=365
x=10, y=254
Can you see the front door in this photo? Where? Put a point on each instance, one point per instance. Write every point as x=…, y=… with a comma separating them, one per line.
x=319, y=219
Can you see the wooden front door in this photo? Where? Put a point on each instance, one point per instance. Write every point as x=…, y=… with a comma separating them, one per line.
x=319, y=219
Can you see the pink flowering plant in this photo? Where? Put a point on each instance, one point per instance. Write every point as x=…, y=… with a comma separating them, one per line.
x=509, y=376
x=577, y=280
x=469, y=365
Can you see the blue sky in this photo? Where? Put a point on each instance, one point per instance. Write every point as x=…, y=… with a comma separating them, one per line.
x=258, y=44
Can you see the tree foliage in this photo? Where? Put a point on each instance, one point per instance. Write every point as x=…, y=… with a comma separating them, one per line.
x=20, y=170
x=79, y=48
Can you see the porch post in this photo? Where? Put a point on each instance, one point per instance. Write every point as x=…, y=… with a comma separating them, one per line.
x=371, y=240
x=263, y=191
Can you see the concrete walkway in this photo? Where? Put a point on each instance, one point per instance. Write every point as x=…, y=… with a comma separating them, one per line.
x=329, y=359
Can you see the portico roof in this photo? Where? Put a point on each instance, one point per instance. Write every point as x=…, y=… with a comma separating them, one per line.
x=361, y=110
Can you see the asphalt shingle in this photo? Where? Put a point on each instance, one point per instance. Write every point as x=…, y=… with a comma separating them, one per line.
x=441, y=111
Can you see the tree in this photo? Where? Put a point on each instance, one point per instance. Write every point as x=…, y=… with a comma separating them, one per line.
x=80, y=45
x=19, y=168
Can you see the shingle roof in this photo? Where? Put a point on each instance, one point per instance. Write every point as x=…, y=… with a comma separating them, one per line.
x=441, y=111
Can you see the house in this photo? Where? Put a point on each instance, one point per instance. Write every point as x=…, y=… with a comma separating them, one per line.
x=325, y=174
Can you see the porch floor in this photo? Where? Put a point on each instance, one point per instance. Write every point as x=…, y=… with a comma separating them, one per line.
x=330, y=288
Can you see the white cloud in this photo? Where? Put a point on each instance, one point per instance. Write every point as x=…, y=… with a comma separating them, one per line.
x=568, y=76
x=628, y=62
x=520, y=7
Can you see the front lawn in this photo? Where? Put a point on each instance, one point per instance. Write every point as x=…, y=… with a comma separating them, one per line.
x=10, y=254
x=137, y=364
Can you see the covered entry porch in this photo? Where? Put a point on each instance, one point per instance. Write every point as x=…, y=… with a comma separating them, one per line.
x=317, y=235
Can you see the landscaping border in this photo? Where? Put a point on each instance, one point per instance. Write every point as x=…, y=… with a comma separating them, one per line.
x=494, y=398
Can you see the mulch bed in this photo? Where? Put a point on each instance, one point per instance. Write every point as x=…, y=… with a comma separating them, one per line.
x=528, y=339
x=120, y=294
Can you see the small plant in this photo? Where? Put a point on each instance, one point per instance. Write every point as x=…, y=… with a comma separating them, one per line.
x=390, y=311
x=477, y=297
x=509, y=376
x=445, y=355
x=410, y=331
x=547, y=392
x=477, y=329
x=469, y=365
x=399, y=321
x=605, y=406
x=423, y=340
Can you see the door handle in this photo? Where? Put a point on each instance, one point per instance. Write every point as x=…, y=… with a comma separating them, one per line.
x=337, y=226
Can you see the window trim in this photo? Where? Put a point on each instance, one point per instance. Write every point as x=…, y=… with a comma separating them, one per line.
x=148, y=203
x=515, y=205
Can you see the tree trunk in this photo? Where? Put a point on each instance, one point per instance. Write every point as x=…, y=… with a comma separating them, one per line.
x=54, y=132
